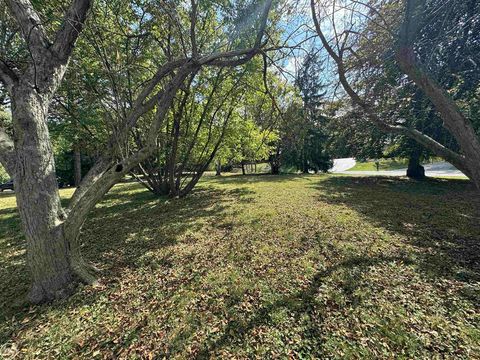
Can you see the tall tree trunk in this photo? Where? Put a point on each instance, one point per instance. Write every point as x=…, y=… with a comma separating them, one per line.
x=243, y=168
x=218, y=168
x=38, y=200
x=304, y=159
x=77, y=165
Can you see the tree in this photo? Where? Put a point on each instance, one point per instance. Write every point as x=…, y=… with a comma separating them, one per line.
x=345, y=45
x=52, y=231
x=302, y=128
x=313, y=138
x=28, y=157
x=193, y=134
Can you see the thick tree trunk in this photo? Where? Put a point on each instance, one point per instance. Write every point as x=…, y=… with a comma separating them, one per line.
x=77, y=165
x=38, y=200
x=415, y=170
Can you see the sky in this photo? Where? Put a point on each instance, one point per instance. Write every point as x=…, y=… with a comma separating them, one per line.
x=298, y=26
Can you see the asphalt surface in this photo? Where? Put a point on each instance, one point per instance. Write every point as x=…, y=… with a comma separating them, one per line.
x=438, y=169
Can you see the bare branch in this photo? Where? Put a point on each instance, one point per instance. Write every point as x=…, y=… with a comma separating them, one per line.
x=263, y=23
x=193, y=23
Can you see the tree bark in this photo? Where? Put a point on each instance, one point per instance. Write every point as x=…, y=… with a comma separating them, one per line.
x=218, y=168
x=30, y=160
x=38, y=200
x=415, y=170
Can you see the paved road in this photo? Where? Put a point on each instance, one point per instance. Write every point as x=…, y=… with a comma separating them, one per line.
x=436, y=169
x=340, y=165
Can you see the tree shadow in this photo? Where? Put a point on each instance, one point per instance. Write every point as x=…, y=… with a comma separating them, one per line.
x=301, y=303
x=128, y=223
x=239, y=179
x=146, y=222
x=439, y=218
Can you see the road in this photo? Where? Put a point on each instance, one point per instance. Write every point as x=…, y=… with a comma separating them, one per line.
x=341, y=166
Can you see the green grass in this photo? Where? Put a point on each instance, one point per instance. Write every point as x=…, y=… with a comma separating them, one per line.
x=263, y=267
x=385, y=164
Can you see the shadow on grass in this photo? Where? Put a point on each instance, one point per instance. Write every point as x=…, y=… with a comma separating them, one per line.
x=239, y=179
x=301, y=304
x=6, y=193
x=145, y=222
x=440, y=218
x=128, y=223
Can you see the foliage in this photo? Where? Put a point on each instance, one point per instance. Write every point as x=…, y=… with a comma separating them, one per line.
x=4, y=177
x=304, y=135
x=447, y=48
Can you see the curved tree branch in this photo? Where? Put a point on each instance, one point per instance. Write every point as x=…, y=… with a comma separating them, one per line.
x=456, y=159
x=32, y=29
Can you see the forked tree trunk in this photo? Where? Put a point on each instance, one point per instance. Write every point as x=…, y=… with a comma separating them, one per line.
x=48, y=251
x=53, y=248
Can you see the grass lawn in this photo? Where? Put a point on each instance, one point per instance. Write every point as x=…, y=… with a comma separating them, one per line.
x=263, y=267
x=385, y=164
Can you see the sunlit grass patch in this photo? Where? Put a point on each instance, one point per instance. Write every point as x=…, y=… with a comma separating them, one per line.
x=263, y=266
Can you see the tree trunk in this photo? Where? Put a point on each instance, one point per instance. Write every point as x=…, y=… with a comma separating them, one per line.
x=77, y=165
x=304, y=165
x=415, y=170
x=218, y=168
x=38, y=200
x=453, y=119
x=275, y=168
x=243, y=168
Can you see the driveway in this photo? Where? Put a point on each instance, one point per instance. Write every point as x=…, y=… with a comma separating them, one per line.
x=341, y=166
